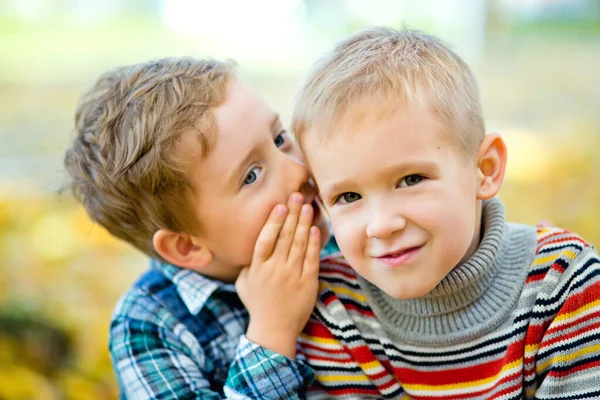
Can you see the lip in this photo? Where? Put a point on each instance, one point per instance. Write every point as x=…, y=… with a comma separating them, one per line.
x=399, y=258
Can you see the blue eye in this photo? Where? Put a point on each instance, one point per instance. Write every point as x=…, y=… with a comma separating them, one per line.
x=411, y=180
x=348, y=197
x=280, y=139
x=252, y=176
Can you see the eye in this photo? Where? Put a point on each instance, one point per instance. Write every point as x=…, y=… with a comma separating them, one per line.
x=281, y=139
x=411, y=180
x=348, y=197
x=252, y=175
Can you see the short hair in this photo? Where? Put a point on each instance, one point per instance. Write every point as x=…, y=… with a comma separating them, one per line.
x=124, y=164
x=386, y=67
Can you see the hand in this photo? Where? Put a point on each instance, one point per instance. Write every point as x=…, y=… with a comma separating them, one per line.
x=280, y=287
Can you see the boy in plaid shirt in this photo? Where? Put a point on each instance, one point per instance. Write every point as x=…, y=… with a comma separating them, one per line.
x=181, y=159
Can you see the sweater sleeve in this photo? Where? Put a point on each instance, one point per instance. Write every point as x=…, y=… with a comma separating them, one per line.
x=568, y=359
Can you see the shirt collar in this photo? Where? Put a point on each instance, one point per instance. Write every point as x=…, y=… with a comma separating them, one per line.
x=194, y=289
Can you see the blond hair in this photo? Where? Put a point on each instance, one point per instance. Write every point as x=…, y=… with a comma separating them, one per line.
x=381, y=68
x=123, y=165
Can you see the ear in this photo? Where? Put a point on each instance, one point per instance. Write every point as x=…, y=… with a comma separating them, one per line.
x=182, y=250
x=492, y=165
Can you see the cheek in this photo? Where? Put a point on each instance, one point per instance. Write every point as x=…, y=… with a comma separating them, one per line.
x=256, y=216
x=452, y=222
x=237, y=228
x=347, y=232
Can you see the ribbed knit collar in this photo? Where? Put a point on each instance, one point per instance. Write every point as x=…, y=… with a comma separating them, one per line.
x=474, y=298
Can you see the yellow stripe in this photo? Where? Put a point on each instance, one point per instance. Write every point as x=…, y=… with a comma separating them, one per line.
x=371, y=365
x=576, y=313
x=543, y=260
x=319, y=340
x=532, y=348
x=348, y=292
x=567, y=357
x=338, y=378
x=463, y=385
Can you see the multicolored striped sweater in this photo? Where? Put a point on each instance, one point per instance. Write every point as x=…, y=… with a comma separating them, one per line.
x=520, y=319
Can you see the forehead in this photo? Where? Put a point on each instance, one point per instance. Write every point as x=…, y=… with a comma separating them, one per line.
x=242, y=108
x=404, y=134
x=242, y=122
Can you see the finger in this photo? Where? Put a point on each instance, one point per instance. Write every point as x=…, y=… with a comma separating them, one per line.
x=286, y=235
x=312, y=259
x=298, y=248
x=268, y=235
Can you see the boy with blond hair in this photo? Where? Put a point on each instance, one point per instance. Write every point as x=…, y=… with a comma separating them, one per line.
x=181, y=159
x=437, y=296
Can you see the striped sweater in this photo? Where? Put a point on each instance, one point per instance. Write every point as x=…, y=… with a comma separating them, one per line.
x=529, y=329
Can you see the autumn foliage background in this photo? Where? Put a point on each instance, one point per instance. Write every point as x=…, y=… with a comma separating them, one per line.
x=60, y=275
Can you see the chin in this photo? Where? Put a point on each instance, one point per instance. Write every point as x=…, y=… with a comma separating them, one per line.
x=412, y=293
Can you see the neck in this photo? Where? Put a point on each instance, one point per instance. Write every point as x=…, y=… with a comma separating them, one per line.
x=477, y=234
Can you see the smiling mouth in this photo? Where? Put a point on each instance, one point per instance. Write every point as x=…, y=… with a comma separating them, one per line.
x=400, y=257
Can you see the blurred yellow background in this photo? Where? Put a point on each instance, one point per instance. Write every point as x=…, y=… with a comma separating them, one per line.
x=60, y=276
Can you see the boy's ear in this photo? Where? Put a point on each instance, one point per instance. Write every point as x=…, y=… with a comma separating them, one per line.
x=181, y=250
x=492, y=165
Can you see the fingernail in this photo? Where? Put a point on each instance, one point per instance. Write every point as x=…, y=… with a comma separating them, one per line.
x=297, y=198
x=314, y=230
x=281, y=210
x=306, y=209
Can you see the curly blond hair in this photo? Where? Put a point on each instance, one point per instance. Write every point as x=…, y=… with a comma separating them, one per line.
x=378, y=69
x=123, y=163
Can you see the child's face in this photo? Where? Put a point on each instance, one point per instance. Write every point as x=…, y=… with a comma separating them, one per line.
x=253, y=166
x=403, y=200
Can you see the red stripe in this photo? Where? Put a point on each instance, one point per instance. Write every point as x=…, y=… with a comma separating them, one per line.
x=483, y=392
x=315, y=328
x=534, y=278
x=571, y=335
x=579, y=368
x=570, y=238
x=476, y=372
x=577, y=300
x=367, y=313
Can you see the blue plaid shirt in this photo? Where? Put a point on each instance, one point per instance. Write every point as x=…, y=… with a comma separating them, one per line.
x=179, y=335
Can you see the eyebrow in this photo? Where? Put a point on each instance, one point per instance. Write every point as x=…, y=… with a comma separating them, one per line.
x=407, y=168
x=239, y=169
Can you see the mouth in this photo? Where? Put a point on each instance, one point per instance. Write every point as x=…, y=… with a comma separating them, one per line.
x=399, y=257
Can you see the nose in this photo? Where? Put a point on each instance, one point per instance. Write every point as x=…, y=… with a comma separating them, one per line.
x=384, y=221
x=296, y=178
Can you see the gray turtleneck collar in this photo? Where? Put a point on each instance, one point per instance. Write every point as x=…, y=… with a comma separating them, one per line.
x=474, y=298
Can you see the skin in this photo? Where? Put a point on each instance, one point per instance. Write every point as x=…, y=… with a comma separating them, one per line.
x=404, y=201
x=253, y=167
